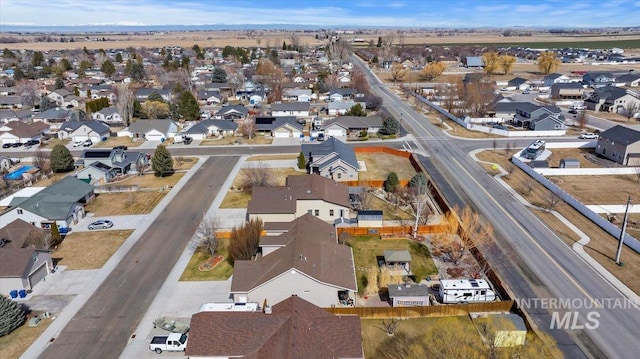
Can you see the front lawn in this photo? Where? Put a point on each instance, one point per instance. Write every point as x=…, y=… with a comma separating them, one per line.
x=380, y=164
x=19, y=340
x=222, y=271
x=117, y=141
x=89, y=250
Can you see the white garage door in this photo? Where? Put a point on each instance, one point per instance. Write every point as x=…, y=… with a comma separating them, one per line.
x=95, y=138
x=154, y=137
x=38, y=275
x=281, y=134
x=333, y=132
x=78, y=138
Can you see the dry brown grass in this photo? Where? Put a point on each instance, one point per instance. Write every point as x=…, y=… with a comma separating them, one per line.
x=290, y=156
x=257, y=140
x=602, y=246
x=152, y=182
x=599, y=189
x=379, y=165
x=56, y=141
x=89, y=250
x=17, y=342
x=578, y=153
x=117, y=141
x=236, y=199
x=51, y=180
x=117, y=204
x=278, y=176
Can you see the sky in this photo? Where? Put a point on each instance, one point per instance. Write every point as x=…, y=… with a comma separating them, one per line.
x=324, y=13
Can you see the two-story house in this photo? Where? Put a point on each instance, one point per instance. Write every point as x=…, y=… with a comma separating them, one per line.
x=620, y=144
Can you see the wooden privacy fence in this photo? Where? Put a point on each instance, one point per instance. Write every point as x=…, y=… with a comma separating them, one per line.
x=372, y=183
x=426, y=311
x=391, y=230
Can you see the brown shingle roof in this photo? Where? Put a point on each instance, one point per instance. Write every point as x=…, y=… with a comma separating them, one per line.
x=25, y=130
x=311, y=248
x=19, y=234
x=295, y=329
x=14, y=261
x=310, y=187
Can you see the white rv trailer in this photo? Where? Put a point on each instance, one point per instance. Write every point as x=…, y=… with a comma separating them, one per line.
x=466, y=291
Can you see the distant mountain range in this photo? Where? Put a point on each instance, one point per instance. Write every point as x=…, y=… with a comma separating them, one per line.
x=267, y=27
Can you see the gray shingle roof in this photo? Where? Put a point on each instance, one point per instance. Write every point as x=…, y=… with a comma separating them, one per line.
x=55, y=201
x=290, y=106
x=621, y=134
x=233, y=109
x=202, y=126
x=94, y=125
x=355, y=122
x=144, y=126
x=329, y=146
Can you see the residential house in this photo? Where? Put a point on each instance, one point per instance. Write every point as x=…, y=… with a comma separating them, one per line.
x=299, y=109
x=54, y=117
x=303, y=95
x=142, y=94
x=10, y=102
x=62, y=202
x=209, y=97
x=555, y=78
x=473, y=61
x=23, y=263
x=279, y=127
x=58, y=96
x=629, y=80
x=341, y=94
x=306, y=261
x=331, y=158
x=518, y=83
x=93, y=130
x=123, y=161
x=612, y=99
x=150, y=130
x=567, y=91
x=232, y=112
x=539, y=118
x=293, y=328
x=97, y=173
x=223, y=88
x=620, y=144
x=597, y=79
x=257, y=98
x=215, y=128
x=337, y=108
x=108, y=115
x=21, y=132
x=73, y=101
x=314, y=194
x=352, y=125
x=10, y=115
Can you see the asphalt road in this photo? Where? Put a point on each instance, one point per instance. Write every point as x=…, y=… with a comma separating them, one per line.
x=530, y=258
x=105, y=323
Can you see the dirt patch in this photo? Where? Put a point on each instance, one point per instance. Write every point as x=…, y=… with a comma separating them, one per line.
x=89, y=250
x=602, y=246
x=379, y=165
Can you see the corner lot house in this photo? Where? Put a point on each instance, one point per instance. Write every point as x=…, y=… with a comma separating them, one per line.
x=307, y=262
x=322, y=197
x=332, y=158
x=351, y=125
x=62, y=202
x=293, y=328
x=22, y=264
x=620, y=144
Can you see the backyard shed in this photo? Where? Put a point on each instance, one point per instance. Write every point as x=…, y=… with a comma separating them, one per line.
x=370, y=218
x=398, y=261
x=408, y=295
x=508, y=329
x=569, y=163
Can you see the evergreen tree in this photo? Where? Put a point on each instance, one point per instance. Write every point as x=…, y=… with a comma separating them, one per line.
x=418, y=180
x=65, y=64
x=56, y=238
x=47, y=103
x=284, y=45
x=61, y=159
x=188, y=108
x=162, y=163
x=389, y=126
x=155, y=96
x=137, y=71
x=11, y=315
x=392, y=182
x=219, y=75
x=302, y=162
x=119, y=58
x=59, y=84
x=8, y=54
x=38, y=58
x=379, y=41
x=107, y=68
x=76, y=91
x=356, y=110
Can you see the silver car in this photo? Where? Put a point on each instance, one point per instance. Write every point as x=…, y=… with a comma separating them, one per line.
x=101, y=224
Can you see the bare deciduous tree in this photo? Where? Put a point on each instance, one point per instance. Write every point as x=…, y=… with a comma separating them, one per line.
x=510, y=168
x=508, y=148
x=28, y=90
x=552, y=200
x=389, y=325
x=42, y=160
x=528, y=186
x=248, y=127
x=630, y=110
x=206, y=236
x=257, y=175
x=124, y=102
x=582, y=119
x=464, y=233
x=419, y=196
x=447, y=243
x=366, y=198
x=243, y=244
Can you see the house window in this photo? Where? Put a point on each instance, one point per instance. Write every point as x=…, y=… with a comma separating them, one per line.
x=310, y=211
x=331, y=212
x=19, y=211
x=317, y=212
x=339, y=175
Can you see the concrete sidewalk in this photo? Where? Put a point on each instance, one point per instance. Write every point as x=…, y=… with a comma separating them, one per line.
x=74, y=306
x=577, y=247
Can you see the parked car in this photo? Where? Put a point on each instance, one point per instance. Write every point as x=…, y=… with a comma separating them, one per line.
x=187, y=140
x=525, y=92
x=101, y=224
x=6, y=145
x=78, y=143
x=174, y=342
x=87, y=143
x=16, y=144
x=588, y=136
x=121, y=147
x=573, y=110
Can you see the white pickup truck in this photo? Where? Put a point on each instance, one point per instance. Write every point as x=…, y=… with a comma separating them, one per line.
x=174, y=342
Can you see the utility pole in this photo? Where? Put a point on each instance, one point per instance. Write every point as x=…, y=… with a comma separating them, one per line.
x=622, y=233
